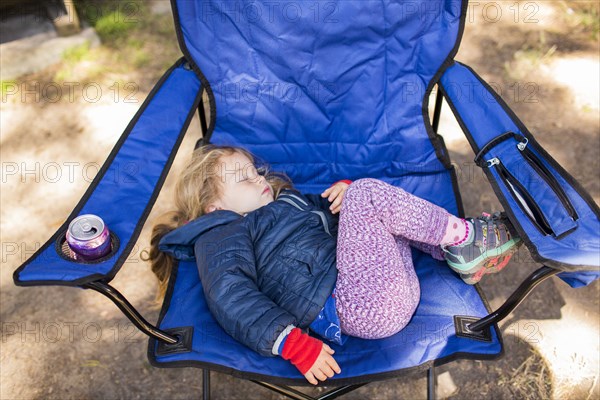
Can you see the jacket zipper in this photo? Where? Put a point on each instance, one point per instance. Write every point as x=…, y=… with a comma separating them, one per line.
x=297, y=198
x=319, y=213
x=523, y=198
x=543, y=171
x=323, y=220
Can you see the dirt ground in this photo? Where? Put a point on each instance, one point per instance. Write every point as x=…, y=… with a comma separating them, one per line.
x=64, y=343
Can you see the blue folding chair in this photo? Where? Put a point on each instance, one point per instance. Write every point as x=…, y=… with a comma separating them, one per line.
x=324, y=91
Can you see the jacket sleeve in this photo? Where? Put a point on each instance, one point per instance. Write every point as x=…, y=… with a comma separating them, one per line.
x=226, y=264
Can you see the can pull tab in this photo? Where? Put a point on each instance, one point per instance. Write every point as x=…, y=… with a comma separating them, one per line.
x=87, y=227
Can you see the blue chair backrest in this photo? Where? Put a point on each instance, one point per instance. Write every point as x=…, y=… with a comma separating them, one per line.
x=325, y=90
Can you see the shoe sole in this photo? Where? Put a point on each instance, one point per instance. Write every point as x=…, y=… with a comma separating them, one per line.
x=496, y=266
x=476, y=264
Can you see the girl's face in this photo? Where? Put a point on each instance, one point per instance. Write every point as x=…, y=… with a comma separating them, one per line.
x=243, y=189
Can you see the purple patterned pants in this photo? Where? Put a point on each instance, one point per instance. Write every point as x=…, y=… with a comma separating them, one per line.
x=377, y=287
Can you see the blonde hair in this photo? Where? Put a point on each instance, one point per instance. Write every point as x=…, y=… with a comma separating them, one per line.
x=198, y=186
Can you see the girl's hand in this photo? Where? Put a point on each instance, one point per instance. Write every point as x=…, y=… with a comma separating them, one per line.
x=335, y=194
x=324, y=367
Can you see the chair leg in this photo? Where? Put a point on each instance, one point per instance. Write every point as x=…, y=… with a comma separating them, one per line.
x=431, y=383
x=206, y=384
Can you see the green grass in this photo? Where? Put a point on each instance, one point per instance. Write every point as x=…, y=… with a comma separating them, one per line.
x=71, y=58
x=76, y=53
x=113, y=27
x=113, y=20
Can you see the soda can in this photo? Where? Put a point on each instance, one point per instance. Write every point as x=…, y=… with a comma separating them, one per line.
x=88, y=237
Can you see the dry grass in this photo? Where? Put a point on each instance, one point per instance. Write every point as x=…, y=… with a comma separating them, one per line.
x=583, y=16
x=531, y=380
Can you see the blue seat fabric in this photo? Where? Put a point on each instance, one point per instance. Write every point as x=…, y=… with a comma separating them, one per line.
x=429, y=337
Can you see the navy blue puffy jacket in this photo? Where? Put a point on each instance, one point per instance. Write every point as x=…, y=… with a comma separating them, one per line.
x=260, y=273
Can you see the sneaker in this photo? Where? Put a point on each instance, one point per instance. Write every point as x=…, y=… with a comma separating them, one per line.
x=489, y=267
x=488, y=251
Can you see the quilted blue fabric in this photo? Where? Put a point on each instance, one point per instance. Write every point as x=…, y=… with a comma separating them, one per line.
x=326, y=90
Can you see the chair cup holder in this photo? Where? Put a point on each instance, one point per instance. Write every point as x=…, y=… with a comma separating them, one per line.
x=63, y=250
